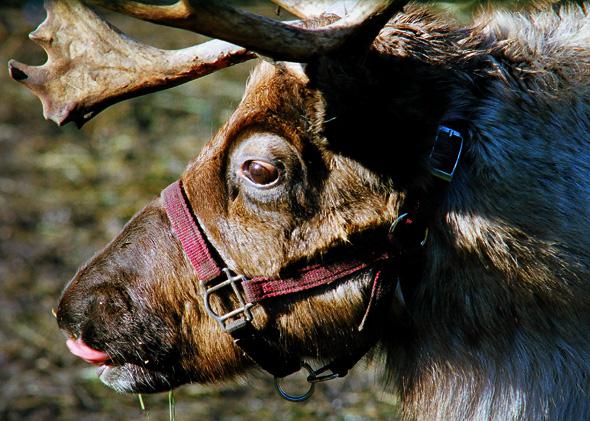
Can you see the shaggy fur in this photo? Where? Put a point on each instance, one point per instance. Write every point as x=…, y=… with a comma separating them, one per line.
x=497, y=324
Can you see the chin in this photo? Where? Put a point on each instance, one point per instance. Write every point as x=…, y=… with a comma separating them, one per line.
x=131, y=378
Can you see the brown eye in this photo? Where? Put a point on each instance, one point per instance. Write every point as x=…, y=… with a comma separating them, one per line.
x=260, y=172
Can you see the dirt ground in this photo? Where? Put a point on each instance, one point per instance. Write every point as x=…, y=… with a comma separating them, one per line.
x=64, y=193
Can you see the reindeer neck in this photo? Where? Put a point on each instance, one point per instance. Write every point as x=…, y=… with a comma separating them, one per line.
x=496, y=324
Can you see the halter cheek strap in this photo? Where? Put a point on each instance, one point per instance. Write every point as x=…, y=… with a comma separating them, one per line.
x=189, y=232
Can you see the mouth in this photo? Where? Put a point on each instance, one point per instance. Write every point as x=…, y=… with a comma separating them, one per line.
x=126, y=377
x=88, y=354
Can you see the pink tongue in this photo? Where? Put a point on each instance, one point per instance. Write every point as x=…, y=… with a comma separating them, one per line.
x=80, y=349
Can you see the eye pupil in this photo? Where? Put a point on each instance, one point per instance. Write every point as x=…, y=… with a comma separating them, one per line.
x=260, y=172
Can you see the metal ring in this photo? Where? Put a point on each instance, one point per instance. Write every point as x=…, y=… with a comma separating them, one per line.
x=397, y=221
x=401, y=218
x=296, y=398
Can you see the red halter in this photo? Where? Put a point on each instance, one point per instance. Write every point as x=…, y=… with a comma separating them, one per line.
x=398, y=258
x=237, y=321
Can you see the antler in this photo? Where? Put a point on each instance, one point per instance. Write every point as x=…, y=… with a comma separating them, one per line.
x=269, y=37
x=92, y=65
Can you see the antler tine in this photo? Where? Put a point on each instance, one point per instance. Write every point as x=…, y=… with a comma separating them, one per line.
x=269, y=37
x=91, y=65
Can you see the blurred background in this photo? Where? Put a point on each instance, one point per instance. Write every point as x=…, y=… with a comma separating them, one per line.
x=65, y=192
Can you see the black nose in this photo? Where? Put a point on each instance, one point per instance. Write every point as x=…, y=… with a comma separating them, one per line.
x=71, y=310
x=87, y=309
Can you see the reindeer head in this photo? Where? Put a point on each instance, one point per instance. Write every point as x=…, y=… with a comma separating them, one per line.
x=312, y=168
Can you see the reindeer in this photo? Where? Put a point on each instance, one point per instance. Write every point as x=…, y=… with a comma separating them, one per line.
x=392, y=184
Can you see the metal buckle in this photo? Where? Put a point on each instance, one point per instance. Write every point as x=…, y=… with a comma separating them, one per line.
x=243, y=310
x=452, y=136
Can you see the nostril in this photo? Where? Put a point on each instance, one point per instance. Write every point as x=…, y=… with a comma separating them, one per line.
x=66, y=322
x=70, y=314
x=99, y=303
x=77, y=316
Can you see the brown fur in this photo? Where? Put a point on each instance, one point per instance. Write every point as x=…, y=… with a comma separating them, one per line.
x=497, y=324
